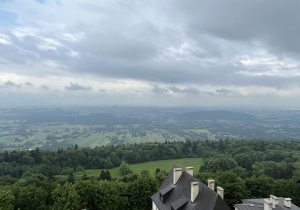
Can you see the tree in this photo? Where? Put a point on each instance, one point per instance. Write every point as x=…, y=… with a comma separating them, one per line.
x=102, y=175
x=234, y=188
x=108, y=176
x=7, y=198
x=66, y=197
x=140, y=191
x=221, y=163
x=242, y=159
x=71, y=178
x=50, y=176
x=6, y=156
x=260, y=187
x=30, y=197
x=80, y=171
x=124, y=169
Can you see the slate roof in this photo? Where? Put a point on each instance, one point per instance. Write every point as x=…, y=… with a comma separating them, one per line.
x=258, y=204
x=166, y=189
x=180, y=195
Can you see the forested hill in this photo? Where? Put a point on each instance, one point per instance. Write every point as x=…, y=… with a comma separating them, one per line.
x=245, y=168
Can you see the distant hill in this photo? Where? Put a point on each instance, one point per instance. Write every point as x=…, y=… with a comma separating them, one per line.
x=215, y=115
x=70, y=117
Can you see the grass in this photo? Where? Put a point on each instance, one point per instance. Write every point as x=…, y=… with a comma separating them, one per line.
x=152, y=165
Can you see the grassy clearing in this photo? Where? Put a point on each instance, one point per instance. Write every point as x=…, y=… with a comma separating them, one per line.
x=151, y=166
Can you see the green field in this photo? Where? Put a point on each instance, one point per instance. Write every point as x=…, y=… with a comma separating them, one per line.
x=151, y=166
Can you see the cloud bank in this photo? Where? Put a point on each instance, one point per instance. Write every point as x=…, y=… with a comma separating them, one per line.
x=178, y=52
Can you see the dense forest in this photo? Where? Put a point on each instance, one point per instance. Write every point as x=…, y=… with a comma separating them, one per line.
x=41, y=179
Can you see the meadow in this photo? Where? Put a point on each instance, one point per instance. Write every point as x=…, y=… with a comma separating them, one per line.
x=152, y=166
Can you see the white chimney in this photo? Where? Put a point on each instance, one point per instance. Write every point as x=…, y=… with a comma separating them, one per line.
x=220, y=191
x=267, y=204
x=177, y=173
x=211, y=184
x=194, y=190
x=190, y=170
x=274, y=200
x=288, y=202
x=271, y=198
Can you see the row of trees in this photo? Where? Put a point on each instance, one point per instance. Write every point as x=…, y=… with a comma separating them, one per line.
x=35, y=191
x=278, y=159
x=263, y=186
x=82, y=194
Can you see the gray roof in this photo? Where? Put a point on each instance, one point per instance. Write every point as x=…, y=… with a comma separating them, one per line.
x=258, y=204
x=178, y=203
x=166, y=189
x=180, y=195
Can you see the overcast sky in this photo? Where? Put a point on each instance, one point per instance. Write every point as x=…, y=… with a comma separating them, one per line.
x=163, y=53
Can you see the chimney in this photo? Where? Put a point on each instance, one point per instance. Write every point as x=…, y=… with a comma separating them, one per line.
x=211, y=184
x=274, y=200
x=177, y=173
x=220, y=191
x=194, y=190
x=288, y=202
x=190, y=170
x=267, y=204
x=271, y=198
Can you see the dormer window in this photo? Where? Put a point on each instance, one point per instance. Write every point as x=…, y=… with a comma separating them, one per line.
x=165, y=192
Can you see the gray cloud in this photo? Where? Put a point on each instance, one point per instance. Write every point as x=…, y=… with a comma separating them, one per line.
x=125, y=48
x=223, y=91
x=44, y=87
x=29, y=84
x=158, y=90
x=269, y=22
x=191, y=90
x=102, y=90
x=75, y=87
x=10, y=84
x=170, y=44
x=162, y=90
x=175, y=89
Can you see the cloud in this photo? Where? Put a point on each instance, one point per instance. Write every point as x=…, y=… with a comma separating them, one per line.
x=44, y=87
x=10, y=84
x=158, y=90
x=175, y=90
x=29, y=84
x=223, y=91
x=234, y=20
x=191, y=90
x=183, y=49
x=76, y=87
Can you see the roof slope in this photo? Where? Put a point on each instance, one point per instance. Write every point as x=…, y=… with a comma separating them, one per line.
x=180, y=195
x=258, y=204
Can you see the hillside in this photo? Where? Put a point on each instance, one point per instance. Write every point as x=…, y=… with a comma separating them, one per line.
x=61, y=127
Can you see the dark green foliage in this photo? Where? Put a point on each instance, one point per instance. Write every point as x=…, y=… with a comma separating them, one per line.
x=105, y=175
x=244, y=168
x=221, y=163
x=235, y=189
x=124, y=169
x=7, y=198
x=242, y=159
x=140, y=191
x=71, y=178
